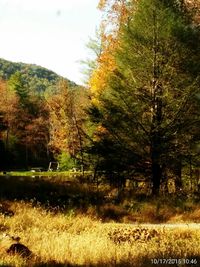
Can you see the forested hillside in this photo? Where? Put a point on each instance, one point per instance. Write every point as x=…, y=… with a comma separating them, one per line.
x=37, y=78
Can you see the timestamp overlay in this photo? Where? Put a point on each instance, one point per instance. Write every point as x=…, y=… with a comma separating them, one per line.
x=177, y=261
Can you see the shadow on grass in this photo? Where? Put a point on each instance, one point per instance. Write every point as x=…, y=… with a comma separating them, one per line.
x=61, y=194
x=52, y=193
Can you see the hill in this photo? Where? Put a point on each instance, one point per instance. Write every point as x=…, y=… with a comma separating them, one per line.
x=38, y=78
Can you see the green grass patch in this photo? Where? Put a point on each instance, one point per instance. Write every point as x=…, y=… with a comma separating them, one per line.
x=43, y=173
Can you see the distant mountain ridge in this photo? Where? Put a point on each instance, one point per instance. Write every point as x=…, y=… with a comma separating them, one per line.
x=37, y=77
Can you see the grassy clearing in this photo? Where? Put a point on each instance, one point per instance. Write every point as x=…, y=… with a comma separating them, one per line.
x=66, y=222
x=80, y=240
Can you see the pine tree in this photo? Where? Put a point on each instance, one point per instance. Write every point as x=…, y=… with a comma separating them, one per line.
x=149, y=107
x=17, y=84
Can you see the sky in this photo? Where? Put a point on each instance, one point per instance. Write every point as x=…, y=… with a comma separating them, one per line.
x=50, y=33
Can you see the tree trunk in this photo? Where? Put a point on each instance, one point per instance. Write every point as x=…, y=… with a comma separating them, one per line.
x=156, y=174
x=178, y=173
x=157, y=108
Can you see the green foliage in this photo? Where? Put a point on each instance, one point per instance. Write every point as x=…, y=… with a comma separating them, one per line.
x=36, y=78
x=66, y=162
x=17, y=84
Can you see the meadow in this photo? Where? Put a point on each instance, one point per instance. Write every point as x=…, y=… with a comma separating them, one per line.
x=66, y=223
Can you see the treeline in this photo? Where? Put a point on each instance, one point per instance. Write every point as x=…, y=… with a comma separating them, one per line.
x=37, y=78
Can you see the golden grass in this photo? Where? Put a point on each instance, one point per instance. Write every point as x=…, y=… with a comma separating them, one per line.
x=79, y=240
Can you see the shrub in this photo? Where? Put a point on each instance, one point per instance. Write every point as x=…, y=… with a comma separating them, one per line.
x=66, y=162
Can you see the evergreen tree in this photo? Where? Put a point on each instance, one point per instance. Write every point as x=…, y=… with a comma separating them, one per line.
x=17, y=84
x=149, y=107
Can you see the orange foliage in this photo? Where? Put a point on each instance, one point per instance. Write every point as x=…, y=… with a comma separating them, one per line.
x=99, y=132
x=116, y=13
x=194, y=5
x=65, y=120
x=8, y=103
x=58, y=122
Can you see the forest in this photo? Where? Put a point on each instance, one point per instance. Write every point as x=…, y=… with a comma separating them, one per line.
x=127, y=144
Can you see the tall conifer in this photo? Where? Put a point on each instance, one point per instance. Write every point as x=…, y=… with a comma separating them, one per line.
x=149, y=106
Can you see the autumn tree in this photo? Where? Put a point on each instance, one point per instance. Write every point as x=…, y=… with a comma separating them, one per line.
x=66, y=120
x=148, y=109
x=6, y=102
x=108, y=41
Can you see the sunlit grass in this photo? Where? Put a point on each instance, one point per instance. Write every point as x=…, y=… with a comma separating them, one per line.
x=84, y=240
x=42, y=173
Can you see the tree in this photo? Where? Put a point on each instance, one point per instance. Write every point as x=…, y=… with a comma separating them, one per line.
x=66, y=121
x=148, y=110
x=6, y=101
x=17, y=84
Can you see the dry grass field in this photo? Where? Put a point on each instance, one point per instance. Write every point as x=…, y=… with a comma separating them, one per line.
x=59, y=239
x=69, y=223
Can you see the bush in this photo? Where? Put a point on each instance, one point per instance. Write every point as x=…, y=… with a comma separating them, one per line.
x=66, y=162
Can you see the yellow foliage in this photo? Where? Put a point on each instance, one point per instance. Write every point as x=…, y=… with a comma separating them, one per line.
x=106, y=65
x=101, y=129
x=110, y=27
x=116, y=13
x=102, y=4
